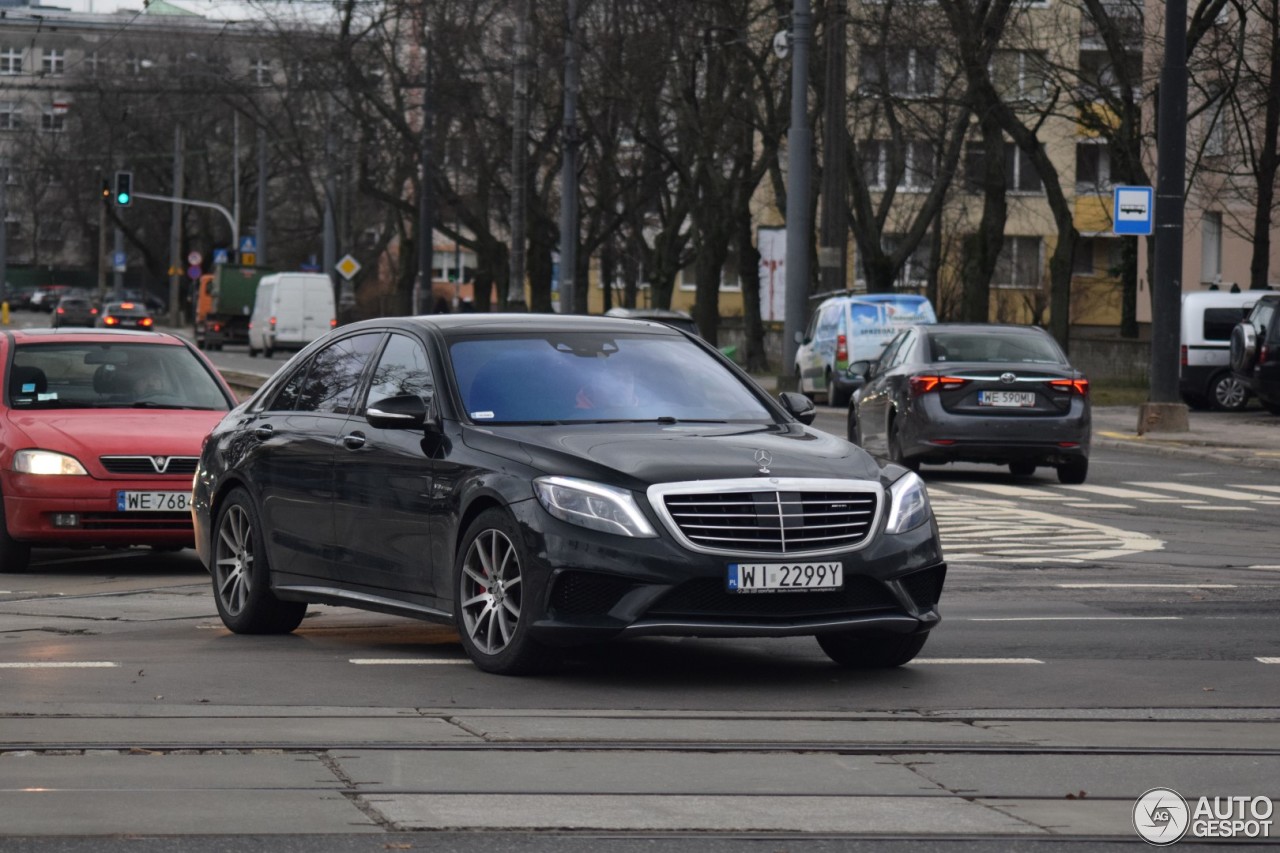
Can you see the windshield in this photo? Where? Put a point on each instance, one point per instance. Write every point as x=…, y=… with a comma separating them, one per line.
x=111, y=376
x=585, y=377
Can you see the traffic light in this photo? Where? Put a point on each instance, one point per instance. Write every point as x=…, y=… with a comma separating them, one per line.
x=106, y=189
x=124, y=189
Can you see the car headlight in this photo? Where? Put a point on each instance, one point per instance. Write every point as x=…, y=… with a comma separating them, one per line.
x=908, y=504
x=593, y=506
x=46, y=462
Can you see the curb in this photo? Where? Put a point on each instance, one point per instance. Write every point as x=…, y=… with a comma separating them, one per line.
x=1214, y=453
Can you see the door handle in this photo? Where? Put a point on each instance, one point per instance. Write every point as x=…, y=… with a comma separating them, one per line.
x=264, y=432
x=353, y=441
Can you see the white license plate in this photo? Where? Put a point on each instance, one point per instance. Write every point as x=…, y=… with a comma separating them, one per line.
x=1006, y=398
x=152, y=501
x=784, y=577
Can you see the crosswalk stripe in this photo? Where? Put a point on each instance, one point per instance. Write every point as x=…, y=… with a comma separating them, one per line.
x=408, y=661
x=952, y=661
x=59, y=664
x=1268, y=660
x=1206, y=491
x=1108, y=491
x=1145, y=585
x=1275, y=489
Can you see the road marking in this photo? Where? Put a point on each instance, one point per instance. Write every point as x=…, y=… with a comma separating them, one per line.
x=408, y=661
x=1074, y=619
x=1112, y=492
x=59, y=664
x=1266, y=568
x=1223, y=508
x=1098, y=506
x=1275, y=489
x=1268, y=660
x=1205, y=491
x=963, y=661
x=1021, y=492
x=1145, y=585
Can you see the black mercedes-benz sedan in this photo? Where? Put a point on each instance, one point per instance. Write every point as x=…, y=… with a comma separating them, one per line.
x=544, y=481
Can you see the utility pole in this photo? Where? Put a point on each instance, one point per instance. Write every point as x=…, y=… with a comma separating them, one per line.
x=175, y=233
x=833, y=240
x=426, y=228
x=117, y=275
x=799, y=223
x=519, y=161
x=235, y=179
x=1164, y=411
x=330, y=192
x=569, y=171
x=4, y=234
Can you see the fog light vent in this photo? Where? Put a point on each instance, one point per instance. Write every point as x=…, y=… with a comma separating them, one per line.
x=66, y=519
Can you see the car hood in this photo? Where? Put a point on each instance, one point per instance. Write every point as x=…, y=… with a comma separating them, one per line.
x=90, y=433
x=639, y=455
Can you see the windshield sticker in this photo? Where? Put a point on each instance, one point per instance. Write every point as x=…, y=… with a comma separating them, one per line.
x=482, y=416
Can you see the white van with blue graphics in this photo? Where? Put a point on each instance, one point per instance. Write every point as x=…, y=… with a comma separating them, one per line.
x=849, y=328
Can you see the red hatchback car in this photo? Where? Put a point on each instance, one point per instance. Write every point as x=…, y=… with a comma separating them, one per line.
x=100, y=432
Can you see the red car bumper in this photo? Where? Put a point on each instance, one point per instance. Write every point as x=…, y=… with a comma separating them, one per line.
x=73, y=511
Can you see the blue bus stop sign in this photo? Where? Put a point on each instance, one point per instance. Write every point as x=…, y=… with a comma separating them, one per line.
x=1134, y=210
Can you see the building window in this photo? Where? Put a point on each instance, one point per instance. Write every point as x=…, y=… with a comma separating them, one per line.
x=1098, y=74
x=1020, y=173
x=1211, y=248
x=10, y=61
x=1093, y=167
x=1215, y=121
x=1019, y=265
x=730, y=280
x=54, y=63
x=1019, y=75
x=261, y=70
x=914, y=272
x=91, y=63
x=899, y=69
x=53, y=121
x=10, y=116
x=1121, y=17
x=1096, y=256
x=918, y=168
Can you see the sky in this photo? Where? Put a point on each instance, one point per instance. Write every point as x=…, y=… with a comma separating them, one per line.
x=219, y=9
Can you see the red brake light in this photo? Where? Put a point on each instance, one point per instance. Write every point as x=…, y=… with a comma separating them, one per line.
x=110, y=321
x=1081, y=386
x=1264, y=352
x=126, y=305
x=1183, y=357
x=272, y=321
x=93, y=310
x=333, y=322
x=61, y=310
x=924, y=384
x=842, y=348
x=145, y=321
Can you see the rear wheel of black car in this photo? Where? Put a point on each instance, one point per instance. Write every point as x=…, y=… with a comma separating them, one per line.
x=241, y=574
x=15, y=556
x=874, y=651
x=1228, y=393
x=1022, y=469
x=489, y=598
x=895, y=447
x=1073, y=472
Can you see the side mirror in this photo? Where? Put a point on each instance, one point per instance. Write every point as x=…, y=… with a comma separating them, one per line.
x=403, y=412
x=799, y=336
x=798, y=406
x=859, y=370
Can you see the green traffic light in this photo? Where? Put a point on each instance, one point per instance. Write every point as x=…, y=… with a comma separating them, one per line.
x=122, y=198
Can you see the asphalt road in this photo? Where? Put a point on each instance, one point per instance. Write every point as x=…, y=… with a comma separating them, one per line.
x=1097, y=642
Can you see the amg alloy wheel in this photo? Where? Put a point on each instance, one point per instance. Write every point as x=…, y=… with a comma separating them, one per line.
x=489, y=598
x=241, y=575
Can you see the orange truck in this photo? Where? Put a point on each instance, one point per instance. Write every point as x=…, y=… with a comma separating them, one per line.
x=224, y=301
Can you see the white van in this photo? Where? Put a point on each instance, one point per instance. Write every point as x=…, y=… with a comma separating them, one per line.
x=850, y=328
x=1208, y=317
x=290, y=310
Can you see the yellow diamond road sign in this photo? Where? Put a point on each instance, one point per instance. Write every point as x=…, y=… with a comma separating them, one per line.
x=348, y=266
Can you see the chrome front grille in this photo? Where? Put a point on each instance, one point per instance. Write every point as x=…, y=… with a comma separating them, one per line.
x=795, y=517
x=150, y=465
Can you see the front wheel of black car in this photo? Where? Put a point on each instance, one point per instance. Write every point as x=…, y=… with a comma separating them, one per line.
x=241, y=575
x=1073, y=472
x=875, y=651
x=489, y=598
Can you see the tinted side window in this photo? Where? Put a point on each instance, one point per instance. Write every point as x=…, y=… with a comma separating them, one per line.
x=402, y=369
x=1218, y=322
x=328, y=383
